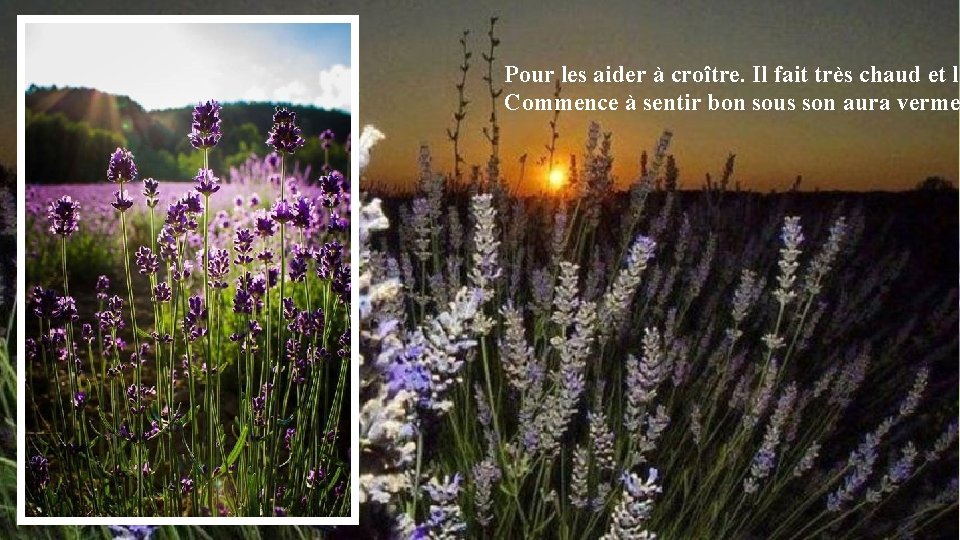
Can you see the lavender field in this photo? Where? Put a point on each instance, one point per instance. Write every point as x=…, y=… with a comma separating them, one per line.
x=657, y=363
x=188, y=341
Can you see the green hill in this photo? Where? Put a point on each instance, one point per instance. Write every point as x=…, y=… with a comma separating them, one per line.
x=70, y=132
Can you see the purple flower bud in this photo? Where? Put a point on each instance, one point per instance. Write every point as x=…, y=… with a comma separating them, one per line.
x=121, y=201
x=326, y=138
x=205, y=129
x=282, y=211
x=39, y=472
x=284, y=136
x=64, y=216
x=303, y=213
x=146, y=261
x=331, y=189
x=162, y=292
x=207, y=183
x=151, y=191
x=121, y=168
x=265, y=225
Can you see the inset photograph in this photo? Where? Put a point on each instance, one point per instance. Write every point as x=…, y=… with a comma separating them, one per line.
x=187, y=238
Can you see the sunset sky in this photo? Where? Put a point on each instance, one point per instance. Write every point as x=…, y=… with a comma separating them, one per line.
x=410, y=53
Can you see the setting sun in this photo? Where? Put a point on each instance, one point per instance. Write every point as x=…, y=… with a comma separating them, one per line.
x=556, y=179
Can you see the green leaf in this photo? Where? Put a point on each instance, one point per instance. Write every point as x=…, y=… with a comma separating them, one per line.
x=237, y=448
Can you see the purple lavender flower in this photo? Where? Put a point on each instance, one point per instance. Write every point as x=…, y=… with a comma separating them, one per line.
x=121, y=168
x=288, y=437
x=326, y=138
x=265, y=224
x=272, y=160
x=103, y=286
x=43, y=302
x=314, y=476
x=242, y=299
x=282, y=211
x=180, y=219
x=186, y=485
x=191, y=200
x=218, y=266
x=194, y=315
x=79, y=399
x=303, y=213
x=242, y=246
x=64, y=216
x=331, y=189
x=151, y=191
x=298, y=263
x=146, y=261
x=121, y=202
x=285, y=136
x=167, y=243
x=329, y=258
x=162, y=292
x=205, y=129
x=66, y=309
x=132, y=532
x=207, y=183
x=39, y=471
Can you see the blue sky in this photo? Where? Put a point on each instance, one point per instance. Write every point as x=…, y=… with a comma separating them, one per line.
x=175, y=64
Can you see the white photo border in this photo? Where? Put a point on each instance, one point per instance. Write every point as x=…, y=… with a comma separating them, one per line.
x=354, y=22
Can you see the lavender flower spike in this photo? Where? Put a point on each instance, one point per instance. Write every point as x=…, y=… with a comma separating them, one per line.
x=122, y=168
x=207, y=183
x=285, y=135
x=64, y=216
x=634, y=509
x=205, y=129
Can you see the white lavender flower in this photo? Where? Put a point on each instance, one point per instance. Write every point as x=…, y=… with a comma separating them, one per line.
x=909, y=405
x=762, y=398
x=565, y=301
x=897, y=473
x=445, y=519
x=822, y=262
x=947, y=438
x=442, y=340
x=579, y=476
x=656, y=424
x=634, y=509
x=486, y=475
x=515, y=353
x=421, y=223
x=744, y=298
x=485, y=267
x=601, y=438
x=765, y=458
x=806, y=462
x=791, y=236
x=643, y=377
x=617, y=299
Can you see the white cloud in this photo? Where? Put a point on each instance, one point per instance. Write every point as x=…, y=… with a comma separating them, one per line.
x=255, y=93
x=334, y=88
x=292, y=92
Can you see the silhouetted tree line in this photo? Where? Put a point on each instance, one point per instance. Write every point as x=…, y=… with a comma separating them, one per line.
x=71, y=131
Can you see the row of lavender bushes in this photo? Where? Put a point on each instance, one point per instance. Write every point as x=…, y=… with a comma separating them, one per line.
x=570, y=368
x=209, y=376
